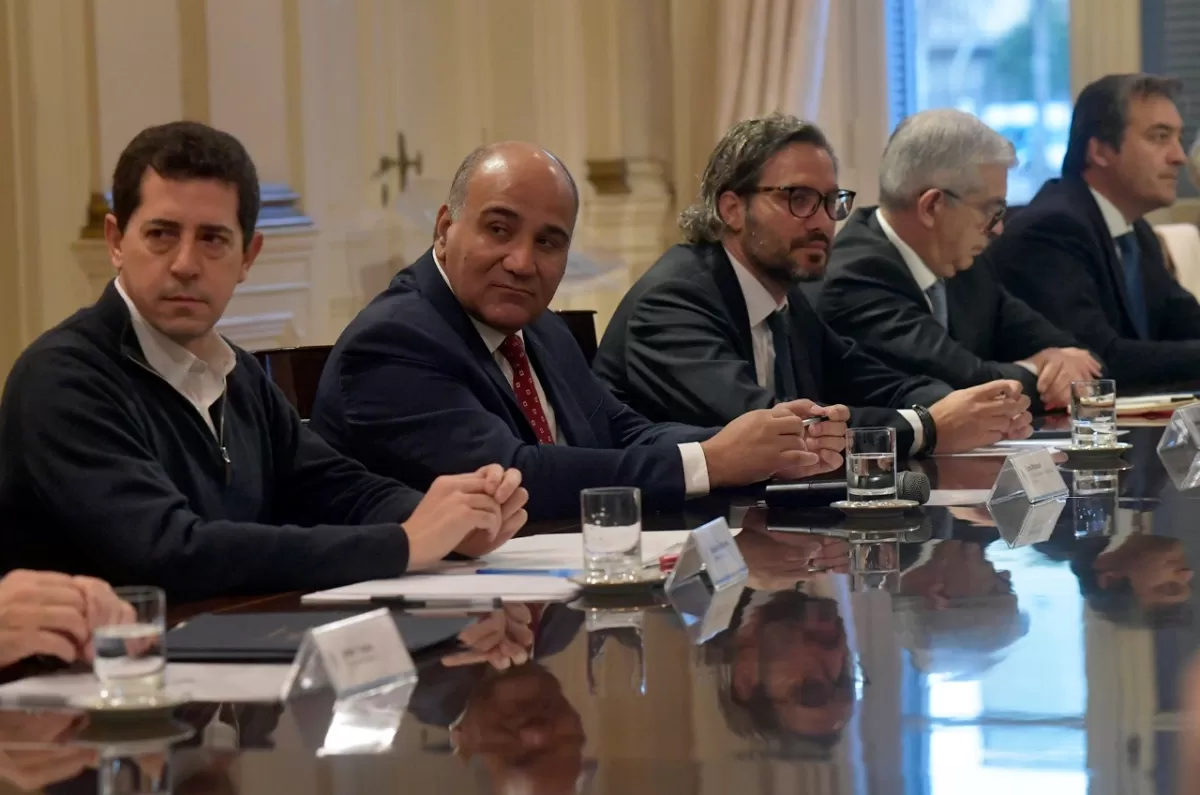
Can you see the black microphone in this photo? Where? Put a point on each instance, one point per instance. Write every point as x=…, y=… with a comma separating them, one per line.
x=818, y=493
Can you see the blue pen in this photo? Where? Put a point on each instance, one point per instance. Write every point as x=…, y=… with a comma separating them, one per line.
x=544, y=572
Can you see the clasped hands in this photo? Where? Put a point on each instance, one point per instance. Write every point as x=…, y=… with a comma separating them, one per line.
x=775, y=443
x=1057, y=368
x=470, y=514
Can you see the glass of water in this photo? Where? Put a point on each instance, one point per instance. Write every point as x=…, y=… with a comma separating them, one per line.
x=612, y=533
x=1094, y=413
x=130, y=663
x=870, y=464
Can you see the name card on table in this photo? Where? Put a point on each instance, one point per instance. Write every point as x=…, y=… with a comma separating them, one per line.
x=353, y=656
x=711, y=552
x=1032, y=475
x=1179, y=447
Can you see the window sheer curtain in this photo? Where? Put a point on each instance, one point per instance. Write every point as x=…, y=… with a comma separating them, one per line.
x=770, y=56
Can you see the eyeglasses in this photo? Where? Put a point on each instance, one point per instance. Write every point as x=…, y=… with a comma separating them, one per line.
x=803, y=201
x=994, y=218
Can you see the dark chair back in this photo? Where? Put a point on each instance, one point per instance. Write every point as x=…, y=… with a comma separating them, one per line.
x=296, y=371
x=582, y=323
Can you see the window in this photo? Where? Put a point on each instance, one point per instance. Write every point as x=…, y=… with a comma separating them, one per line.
x=1006, y=61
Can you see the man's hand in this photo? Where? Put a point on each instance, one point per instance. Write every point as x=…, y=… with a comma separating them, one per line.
x=756, y=446
x=502, y=638
x=511, y=498
x=41, y=613
x=455, y=507
x=104, y=608
x=981, y=415
x=827, y=438
x=1057, y=368
x=37, y=768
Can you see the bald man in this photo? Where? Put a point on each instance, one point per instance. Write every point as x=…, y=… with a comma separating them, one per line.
x=458, y=361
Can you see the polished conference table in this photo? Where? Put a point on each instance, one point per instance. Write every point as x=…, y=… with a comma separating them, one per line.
x=946, y=652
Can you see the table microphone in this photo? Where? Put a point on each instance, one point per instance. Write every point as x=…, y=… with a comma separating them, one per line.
x=818, y=493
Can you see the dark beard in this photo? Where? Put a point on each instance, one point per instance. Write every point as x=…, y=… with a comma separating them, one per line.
x=774, y=262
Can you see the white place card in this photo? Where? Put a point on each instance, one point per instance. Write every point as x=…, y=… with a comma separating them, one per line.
x=710, y=550
x=1032, y=474
x=1022, y=523
x=351, y=656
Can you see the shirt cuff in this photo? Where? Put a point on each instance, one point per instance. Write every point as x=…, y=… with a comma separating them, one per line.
x=695, y=469
x=1030, y=366
x=918, y=429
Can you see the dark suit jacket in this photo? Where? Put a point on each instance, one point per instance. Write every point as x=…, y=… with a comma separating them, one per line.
x=871, y=296
x=1059, y=257
x=410, y=387
x=679, y=346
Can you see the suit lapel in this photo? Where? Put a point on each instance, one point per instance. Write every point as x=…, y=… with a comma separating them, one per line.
x=735, y=302
x=567, y=412
x=900, y=276
x=438, y=293
x=1112, y=262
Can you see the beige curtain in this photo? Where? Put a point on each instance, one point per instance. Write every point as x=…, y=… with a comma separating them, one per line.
x=770, y=56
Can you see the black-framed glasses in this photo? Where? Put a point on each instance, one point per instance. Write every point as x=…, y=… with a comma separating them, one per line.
x=803, y=201
x=994, y=218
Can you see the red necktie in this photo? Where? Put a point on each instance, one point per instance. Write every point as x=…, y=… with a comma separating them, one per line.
x=513, y=349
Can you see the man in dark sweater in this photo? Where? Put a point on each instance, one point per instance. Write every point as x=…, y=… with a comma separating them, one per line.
x=138, y=446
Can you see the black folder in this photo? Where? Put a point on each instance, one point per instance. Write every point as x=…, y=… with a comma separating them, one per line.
x=275, y=637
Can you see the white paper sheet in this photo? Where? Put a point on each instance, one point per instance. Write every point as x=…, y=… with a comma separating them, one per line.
x=193, y=681
x=453, y=586
x=950, y=497
x=525, y=565
x=565, y=550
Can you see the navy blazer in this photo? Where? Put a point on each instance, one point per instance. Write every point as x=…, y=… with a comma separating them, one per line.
x=680, y=346
x=871, y=296
x=411, y=388
x=1059, y=257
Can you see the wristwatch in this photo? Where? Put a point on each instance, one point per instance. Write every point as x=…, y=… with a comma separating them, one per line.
x=929, y=443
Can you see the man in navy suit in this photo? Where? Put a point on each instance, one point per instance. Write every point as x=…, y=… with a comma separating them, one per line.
x=458, y=362
x=1082, y=254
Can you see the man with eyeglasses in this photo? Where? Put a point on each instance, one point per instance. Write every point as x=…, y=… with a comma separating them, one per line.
x=906, y=280
x=719, y=326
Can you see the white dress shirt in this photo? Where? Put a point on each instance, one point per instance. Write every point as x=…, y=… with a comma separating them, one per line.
x=695, y=466
x=1113, y=219
x=201, y=381
x=759, y=306
x=924, y=277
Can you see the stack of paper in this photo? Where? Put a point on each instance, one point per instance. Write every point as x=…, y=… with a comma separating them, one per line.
x=529, y=569
x=1154, y=404
x=444, y=587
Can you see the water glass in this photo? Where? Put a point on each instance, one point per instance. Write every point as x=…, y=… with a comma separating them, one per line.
x=1094, y=413
x=612, y=533
x=870, y=464
x=130, y=661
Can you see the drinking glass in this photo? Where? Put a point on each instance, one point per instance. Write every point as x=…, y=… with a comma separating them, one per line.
x=612, y=533
x=870, y=464
x=1094, y=413
x=130, y=661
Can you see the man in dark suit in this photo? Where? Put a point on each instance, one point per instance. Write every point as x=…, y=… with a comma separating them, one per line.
x=905, y=282
x=1081, y=253
x=702, y=334
x=458, y=361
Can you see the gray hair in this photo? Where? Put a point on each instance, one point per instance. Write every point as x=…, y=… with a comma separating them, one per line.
x=941, y=148
x=457, y=197
x=737, y=163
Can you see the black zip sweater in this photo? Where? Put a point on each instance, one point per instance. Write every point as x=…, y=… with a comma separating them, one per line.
x=106, y=470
